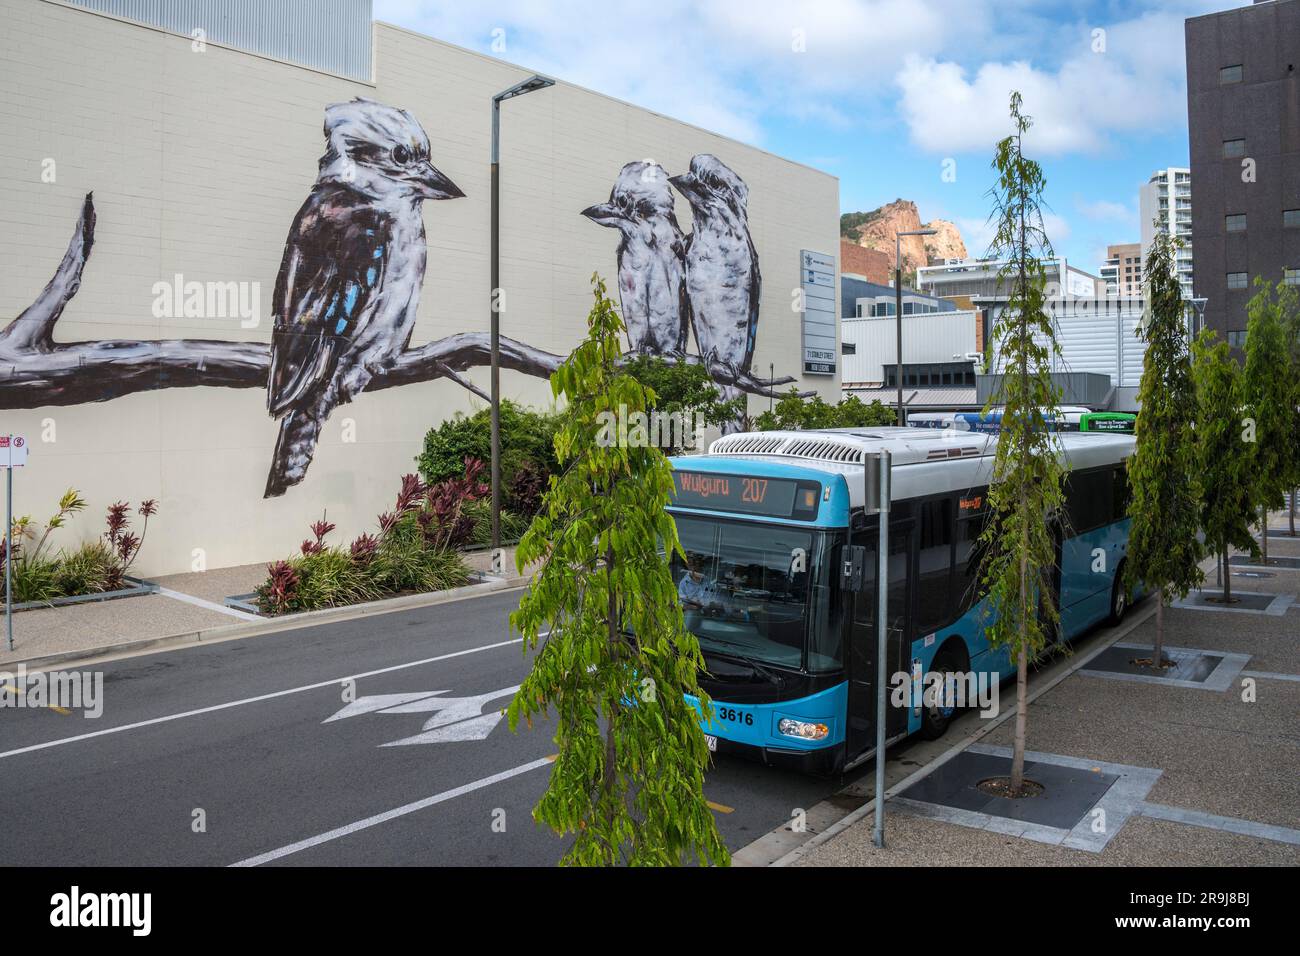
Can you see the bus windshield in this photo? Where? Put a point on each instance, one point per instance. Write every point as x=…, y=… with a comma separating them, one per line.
x=746, y=588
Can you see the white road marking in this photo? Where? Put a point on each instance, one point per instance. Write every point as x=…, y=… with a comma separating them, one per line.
x=209, y=605
x=392, y=814
x=251, y=700
x=454, y=718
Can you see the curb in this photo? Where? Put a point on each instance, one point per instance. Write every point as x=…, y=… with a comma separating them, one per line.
x=849, y=819
x=230, y=632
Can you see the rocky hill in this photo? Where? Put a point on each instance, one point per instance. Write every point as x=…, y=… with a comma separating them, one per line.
x=875, y=230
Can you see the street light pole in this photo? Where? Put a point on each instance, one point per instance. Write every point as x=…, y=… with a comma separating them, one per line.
x=898, y=305
x=535, y=82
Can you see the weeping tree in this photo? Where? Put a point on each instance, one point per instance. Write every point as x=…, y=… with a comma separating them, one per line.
x=616, y=661
x=1026, y=485
x=1270, y=397
x=1223, y=452
x=1163, y=550
x=1289, y=304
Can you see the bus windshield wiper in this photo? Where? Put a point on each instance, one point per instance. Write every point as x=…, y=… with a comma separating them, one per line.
x=758, y=668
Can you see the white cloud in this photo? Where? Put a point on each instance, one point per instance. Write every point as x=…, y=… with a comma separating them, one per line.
x=726, y=65
x=1136, y=85
x=1105, y=210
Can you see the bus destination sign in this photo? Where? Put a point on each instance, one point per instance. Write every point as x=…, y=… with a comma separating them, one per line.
x=770, y=497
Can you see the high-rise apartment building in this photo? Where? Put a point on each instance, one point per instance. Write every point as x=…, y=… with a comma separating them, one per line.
x=1165, y=204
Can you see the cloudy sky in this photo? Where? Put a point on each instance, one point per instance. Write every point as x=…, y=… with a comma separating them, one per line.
x=882, y=93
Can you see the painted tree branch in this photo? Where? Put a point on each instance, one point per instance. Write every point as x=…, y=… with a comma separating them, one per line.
x=36, y=371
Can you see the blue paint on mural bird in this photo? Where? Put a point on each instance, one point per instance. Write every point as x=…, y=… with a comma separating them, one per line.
x=349, y=284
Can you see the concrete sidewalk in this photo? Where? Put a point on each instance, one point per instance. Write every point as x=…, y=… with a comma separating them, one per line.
x=190, y=607
x=1224, y=762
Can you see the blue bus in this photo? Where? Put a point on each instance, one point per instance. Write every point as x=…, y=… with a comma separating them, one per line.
x=790, y=653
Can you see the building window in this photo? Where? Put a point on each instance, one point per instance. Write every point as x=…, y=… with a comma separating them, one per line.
x=1230, y=74
x=1237, y=338
x=1232, y=148
x=1291, y=218
x=1235, y=223
x=1291, y=276
x=1237, y=280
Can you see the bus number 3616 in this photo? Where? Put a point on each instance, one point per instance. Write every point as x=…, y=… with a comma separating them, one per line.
x=730, y=713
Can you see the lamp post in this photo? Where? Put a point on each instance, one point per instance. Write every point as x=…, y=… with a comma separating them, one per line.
x=535, y=82
x=898, y=304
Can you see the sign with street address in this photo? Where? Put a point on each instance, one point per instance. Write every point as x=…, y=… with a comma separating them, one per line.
x=13, y=451
x=820, y=312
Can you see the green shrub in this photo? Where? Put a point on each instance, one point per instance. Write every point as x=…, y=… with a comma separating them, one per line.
x=526, y=436
x=330, y=578
x=36, y=579
x=513, y=525
x=86, y=570
x=404, y=563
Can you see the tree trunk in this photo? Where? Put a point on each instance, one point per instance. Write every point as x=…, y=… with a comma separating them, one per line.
x=1264, y=532
x=1291, y=510
x=610, y=782
x=1158, y=652
x=1022, y=707
x=1227, y=576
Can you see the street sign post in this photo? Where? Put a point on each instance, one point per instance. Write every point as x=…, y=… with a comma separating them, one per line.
x=13, y=454
x=876, y=474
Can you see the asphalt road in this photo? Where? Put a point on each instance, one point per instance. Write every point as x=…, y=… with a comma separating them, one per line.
x=264, y=752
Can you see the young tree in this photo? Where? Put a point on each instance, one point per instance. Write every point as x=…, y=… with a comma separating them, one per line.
x=686, y=389
x=1288, y=297
x=1026, y=485
x=793, y=412
x=618, y=660
x=1223, y=455
x=1270, y=397
x=1163, y=550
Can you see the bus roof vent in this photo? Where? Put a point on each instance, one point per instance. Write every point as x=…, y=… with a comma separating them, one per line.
x=749, y=444
x=956, y=451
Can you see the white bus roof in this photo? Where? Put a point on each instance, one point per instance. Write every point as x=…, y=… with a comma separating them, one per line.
x=926, y=461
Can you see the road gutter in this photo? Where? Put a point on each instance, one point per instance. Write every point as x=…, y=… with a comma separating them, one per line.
x=259, y=628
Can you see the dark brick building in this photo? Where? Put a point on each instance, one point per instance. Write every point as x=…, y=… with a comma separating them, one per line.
x=1243, y=105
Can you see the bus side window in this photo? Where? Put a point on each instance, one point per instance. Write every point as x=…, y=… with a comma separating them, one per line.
x=966, y=584
x=1122, y=494
x=1089, y=500
x=933, y=606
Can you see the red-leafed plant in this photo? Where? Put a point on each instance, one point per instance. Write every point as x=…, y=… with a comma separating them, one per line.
x=123, y=543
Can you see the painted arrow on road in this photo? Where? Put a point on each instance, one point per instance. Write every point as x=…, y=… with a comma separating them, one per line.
x=454, y=718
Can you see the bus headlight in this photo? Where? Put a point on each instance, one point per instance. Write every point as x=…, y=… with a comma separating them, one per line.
x=802, y=729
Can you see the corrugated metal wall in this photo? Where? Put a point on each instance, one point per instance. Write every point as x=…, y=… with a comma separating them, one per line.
x=331, y=35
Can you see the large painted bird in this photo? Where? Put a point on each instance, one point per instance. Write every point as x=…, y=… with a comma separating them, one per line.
x=722, y=277
x=349, y=283
x=651, y=267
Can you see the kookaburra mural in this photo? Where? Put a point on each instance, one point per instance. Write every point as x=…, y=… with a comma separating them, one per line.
x=349, y=283
x=668, y=283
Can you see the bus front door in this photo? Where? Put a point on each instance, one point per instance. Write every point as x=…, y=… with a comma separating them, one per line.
x=860, y=729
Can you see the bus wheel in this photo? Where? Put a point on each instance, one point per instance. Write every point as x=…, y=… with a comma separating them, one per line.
x=1118, y=599
x=937, y=715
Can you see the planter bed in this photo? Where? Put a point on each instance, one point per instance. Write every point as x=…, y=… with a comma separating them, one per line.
x=137, y=588
x=248, y=602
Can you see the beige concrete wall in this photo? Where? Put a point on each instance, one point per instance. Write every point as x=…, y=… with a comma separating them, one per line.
x=198, y=163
